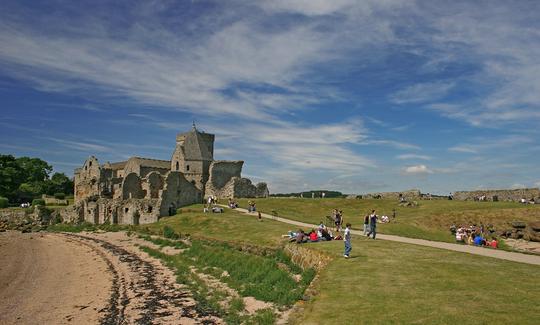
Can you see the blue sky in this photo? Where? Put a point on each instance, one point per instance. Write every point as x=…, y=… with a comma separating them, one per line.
x=343, y=95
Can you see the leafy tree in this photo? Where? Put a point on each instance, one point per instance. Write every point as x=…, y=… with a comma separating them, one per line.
x=24, y=178
x=11, y=176
x=59, y=183
x=34, y=169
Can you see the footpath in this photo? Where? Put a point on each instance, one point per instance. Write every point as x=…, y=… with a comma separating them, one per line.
x=500, y=254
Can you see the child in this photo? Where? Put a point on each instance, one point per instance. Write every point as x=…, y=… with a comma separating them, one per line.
x=347, y=241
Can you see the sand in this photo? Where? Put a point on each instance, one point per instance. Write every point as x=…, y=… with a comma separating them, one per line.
x=88, y=279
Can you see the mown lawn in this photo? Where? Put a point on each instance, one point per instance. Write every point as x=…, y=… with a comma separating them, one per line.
x=429, y=220
x=388, y=282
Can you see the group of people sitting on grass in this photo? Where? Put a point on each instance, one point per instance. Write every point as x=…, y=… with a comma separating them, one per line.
x=322, y=233
x=473, y=235
x=233, y=204
x=211, y=205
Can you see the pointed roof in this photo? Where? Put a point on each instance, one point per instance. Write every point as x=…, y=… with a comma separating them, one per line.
x=197, y=145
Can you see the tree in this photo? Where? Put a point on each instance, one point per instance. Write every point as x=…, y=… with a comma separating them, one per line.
x=59, y=183
x=11, y=176
x=24, y=178
x=35, y=169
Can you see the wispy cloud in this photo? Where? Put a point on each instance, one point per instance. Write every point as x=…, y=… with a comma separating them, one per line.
x=413, y=156
x=422, y=93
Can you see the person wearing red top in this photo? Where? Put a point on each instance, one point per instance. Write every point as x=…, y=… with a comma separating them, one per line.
x=493, y=243
x=313, y=236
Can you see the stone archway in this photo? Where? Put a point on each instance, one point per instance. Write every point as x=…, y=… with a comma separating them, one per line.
x=172, y=209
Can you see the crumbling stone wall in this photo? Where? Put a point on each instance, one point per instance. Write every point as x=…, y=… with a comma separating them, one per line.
x=177, y=192
x=131, y=187
x=87, y=179
x=408, y=195
x=499, y=195
x=221, y=173
x=244, y=188
x=226, y=182
x=152, y=185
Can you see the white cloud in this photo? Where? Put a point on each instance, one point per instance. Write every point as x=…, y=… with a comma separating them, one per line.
x=392, y=143
x=486, y=144
x=420, y=93
x=413, y=156
x=417, y=170
x=464, y=149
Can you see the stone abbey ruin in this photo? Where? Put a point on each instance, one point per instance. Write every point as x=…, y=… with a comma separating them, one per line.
x=141, y=190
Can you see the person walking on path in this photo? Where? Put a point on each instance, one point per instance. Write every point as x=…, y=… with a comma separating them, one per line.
x=366, y=224
x=347, y=241
x=372, y=224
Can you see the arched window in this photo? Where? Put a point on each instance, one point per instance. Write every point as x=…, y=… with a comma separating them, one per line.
x=177, y=165
x=187, y=168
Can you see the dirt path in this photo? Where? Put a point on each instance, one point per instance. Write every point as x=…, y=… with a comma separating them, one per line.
x=510, y=256
x=88, y=279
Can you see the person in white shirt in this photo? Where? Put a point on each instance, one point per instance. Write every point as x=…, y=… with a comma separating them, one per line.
x=347, y=241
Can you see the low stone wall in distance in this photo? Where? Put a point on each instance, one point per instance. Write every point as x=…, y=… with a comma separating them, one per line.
x=499, y=195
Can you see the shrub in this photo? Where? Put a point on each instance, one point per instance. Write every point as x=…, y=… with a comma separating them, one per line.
x=3, y=202
x=59, y=196
x=38, y=202
x=168, y=232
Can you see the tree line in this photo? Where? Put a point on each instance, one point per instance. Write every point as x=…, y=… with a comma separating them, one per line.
x=24, y=179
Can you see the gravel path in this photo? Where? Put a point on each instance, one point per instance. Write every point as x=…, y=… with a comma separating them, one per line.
x=500, y=254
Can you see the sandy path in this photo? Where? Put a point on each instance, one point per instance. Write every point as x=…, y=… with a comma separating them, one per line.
x=515, y=257
x=88, y=279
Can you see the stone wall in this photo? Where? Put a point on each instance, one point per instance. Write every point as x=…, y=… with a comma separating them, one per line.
x=87, y=179
x=219, y=182
x=409, y=195
x=132, y=187
x=499, y=195
x=54, y=201
x=178, y=192
x=244, y=188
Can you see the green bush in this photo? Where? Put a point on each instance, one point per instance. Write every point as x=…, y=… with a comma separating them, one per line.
x=38, y=202
x=59, y=196
x=3, y=202
x=168, y=232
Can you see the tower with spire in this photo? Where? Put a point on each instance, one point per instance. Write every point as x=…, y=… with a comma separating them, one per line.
x=193, y=154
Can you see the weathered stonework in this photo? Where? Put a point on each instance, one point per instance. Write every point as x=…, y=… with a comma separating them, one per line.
x=408, y=195
x=499, y=195
x=226, y=182
x=141, y=190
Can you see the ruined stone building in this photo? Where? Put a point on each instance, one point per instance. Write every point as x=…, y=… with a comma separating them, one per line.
x=141, y=190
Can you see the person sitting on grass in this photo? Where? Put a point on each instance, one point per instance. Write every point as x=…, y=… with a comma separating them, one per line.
x=301, y=237
x=325, y=234
x=313, y=236
x=478, y=240
x=217, y=210
x=493, y=243
x=460, y=236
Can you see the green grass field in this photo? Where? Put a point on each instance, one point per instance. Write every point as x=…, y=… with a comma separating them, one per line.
x=429, y=220
x=388, y=282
